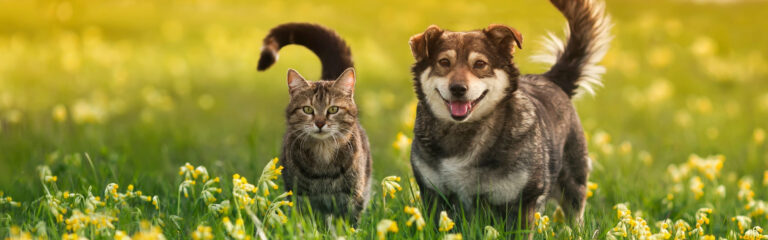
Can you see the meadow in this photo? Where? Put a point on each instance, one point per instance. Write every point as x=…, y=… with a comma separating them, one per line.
x=128, y=119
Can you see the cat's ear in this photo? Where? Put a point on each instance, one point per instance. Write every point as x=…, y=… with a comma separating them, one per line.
x=346, y=82
x=295, y=81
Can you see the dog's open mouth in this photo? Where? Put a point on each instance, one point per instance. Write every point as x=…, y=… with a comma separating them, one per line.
x=461, y=109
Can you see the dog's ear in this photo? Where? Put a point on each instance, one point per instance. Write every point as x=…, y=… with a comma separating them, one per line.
x=420, y=43
x=504, y=37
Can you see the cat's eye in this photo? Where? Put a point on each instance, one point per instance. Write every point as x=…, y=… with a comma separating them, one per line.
x=480, y=64
x=333, y=109
x=444, y=62
x=308, y=110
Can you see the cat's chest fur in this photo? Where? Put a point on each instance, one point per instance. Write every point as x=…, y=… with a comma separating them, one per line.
x=323, y=152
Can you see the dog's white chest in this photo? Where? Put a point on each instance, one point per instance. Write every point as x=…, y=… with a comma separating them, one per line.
x=458, y=175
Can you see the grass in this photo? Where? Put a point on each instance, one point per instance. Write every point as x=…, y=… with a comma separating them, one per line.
x=125, y=92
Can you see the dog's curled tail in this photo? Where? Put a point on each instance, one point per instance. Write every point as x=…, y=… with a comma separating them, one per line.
x=574, y=63
x=333, y=52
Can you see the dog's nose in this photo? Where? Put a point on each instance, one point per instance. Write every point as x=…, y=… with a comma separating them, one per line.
x=458, y=90
x=320, y=124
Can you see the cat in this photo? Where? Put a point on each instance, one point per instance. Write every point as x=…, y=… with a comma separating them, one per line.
x=325, y=150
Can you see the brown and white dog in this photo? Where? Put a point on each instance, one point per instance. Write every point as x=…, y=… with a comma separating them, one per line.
x=485, y=134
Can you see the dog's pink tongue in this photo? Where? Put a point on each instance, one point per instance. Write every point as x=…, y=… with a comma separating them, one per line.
x=460, y=109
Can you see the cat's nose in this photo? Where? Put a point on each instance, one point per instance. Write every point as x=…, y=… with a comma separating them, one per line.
x=320, y=124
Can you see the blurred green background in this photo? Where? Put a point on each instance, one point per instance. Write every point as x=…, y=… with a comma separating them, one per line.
x=144, y=86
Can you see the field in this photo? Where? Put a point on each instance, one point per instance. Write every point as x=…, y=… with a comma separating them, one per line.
x=148, y=118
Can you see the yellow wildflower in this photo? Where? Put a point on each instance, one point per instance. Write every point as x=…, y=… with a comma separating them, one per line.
x=385, y=226
x=271, y=172
x=709, y=166
x=237, y=230
x=758, y=208
x=148, y=231
x=591, y=187
x=625, y=147
x=720, y=191
x=745, y=189
x=446, y=224
x=558, y=216
x=743, y=222
x=697, y=187
x=120, y=235
x=622, y=210
x=755, y=233
x=390, y=186
x=490, y=233
x=51, y=178
x=758, y=136
x=402, y=142
x=202, y=233
x=59, y=113
x=71, y=236
x=540, y=222
x=454, y=236
x=415, y=217
x=765, y=178
x=702, y=218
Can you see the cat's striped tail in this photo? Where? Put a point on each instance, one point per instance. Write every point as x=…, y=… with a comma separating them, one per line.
x=574, y=63
x=333, y=52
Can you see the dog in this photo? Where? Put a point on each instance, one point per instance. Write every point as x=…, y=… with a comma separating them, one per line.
x=485, y=134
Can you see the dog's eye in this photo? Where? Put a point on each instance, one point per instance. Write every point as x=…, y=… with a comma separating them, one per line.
x=333, y=109
x=444, y=62
x=480, y=64
x=308, y=110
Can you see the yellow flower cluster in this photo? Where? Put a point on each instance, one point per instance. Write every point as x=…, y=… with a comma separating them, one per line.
x=242, y=192
x=453, y=236
x=702, y=218
x=202, y=233
x=765, y=178
x=17, y=234
x=390, y=186
x=490, y=233
x=237, y=230
x=445, y=224
x=241, y=189
x=755, y=233
x=541, y=223
x=385, y=226
x=79, y=221
x=8, y=200
x=602, y=141
x=697, y=187
x=743, y=222
x=147, y=231
x=416, y=217
x=637, y=228
x=709, y=166
x=591, y=187
x=402, y=142
x=756, y=207
x=415, y=190
x=191, y=175
x=271, y=172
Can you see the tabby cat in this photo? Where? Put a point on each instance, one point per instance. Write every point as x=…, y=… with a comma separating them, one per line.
x=325, y=150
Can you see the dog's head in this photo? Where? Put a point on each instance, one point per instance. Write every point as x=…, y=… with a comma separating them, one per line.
x=462, y=76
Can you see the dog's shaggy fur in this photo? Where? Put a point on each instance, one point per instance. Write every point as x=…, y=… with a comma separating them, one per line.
x=487, y=135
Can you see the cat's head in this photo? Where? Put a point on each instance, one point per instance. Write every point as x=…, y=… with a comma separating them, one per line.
x=321, y=109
